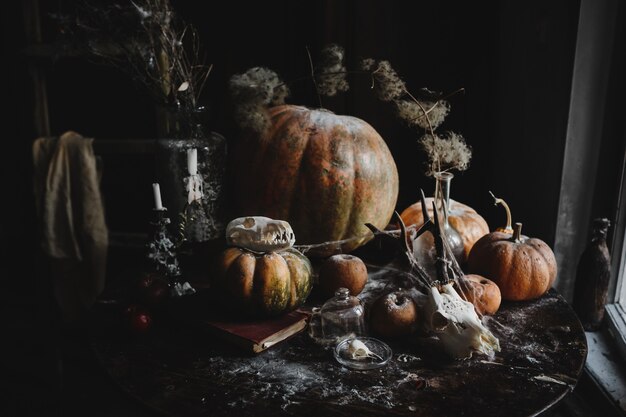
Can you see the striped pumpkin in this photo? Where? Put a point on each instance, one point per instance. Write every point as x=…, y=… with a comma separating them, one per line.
x=325, y=174
x=264, y=284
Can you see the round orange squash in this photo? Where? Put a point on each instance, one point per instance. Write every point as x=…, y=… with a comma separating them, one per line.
x=523, y=268
x=464, y=219
x=483, y=293
x=326, y=174
x=264, y=284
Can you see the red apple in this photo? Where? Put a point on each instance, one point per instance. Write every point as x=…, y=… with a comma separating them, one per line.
x=137, y=319
x=393, y=314
x=342, y=271
x=140, y=321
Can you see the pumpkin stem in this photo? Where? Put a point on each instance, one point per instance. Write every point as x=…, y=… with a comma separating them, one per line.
x=507, y=228
x=517, y=232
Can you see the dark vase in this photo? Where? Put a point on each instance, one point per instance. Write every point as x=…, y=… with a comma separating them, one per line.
x=592, y=277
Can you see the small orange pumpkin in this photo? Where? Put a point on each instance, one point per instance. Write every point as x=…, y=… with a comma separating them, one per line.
x=267, y=284
x=523, y=268
x=464, y=219
x=483, y=293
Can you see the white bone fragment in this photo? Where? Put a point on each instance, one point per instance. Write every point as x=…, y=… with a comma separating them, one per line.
x=358, y=350
x=260, y=234
x=457, y=325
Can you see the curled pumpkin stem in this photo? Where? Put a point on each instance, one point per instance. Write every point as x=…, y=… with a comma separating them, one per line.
x=507, y=228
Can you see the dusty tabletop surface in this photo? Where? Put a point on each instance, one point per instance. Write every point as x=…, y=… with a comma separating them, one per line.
x=181, y=370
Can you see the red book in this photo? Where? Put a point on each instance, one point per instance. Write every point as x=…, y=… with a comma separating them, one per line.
x=258, y=335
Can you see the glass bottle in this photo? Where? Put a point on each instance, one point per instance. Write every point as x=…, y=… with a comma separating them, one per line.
x=424, y=246
x=592, y=277
x=342, y=317
x=205, y=222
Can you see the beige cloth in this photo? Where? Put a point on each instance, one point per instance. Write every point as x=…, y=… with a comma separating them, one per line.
x=71, y=215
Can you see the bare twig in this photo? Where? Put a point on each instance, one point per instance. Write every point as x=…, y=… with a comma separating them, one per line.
x=146, y=39
x=317, y=91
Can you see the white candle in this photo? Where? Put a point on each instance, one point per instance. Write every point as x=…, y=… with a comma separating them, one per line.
x=194, y=188
x=158, y=205
x=192, y=161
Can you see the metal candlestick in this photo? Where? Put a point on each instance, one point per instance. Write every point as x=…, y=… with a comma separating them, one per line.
x=161, y=249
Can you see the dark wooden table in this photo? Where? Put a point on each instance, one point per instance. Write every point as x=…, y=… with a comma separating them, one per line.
x=182, y=371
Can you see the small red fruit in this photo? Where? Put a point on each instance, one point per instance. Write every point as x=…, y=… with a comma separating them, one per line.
x=483, y=293
x=343, y=270
x=141, y=321
x=137, y=319
x=394, y=314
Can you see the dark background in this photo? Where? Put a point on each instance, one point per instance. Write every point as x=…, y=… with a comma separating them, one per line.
x=514, y=59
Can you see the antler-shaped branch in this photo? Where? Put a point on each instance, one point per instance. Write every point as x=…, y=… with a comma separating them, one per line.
x=405, y=241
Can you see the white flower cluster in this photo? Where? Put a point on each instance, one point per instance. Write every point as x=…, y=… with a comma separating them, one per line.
x=446, y=152
x=413, y=113
x=252, y=92
x=331, y=77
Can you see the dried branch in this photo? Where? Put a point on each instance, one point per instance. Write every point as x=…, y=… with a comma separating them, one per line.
x=148, y=41
x=426, y=111
x=252, y=90
x=257, y=88
x=317, y=89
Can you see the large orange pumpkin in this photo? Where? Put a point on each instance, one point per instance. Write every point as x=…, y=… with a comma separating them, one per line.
x=464, y=219
x=327, y=175
x=523, y=268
